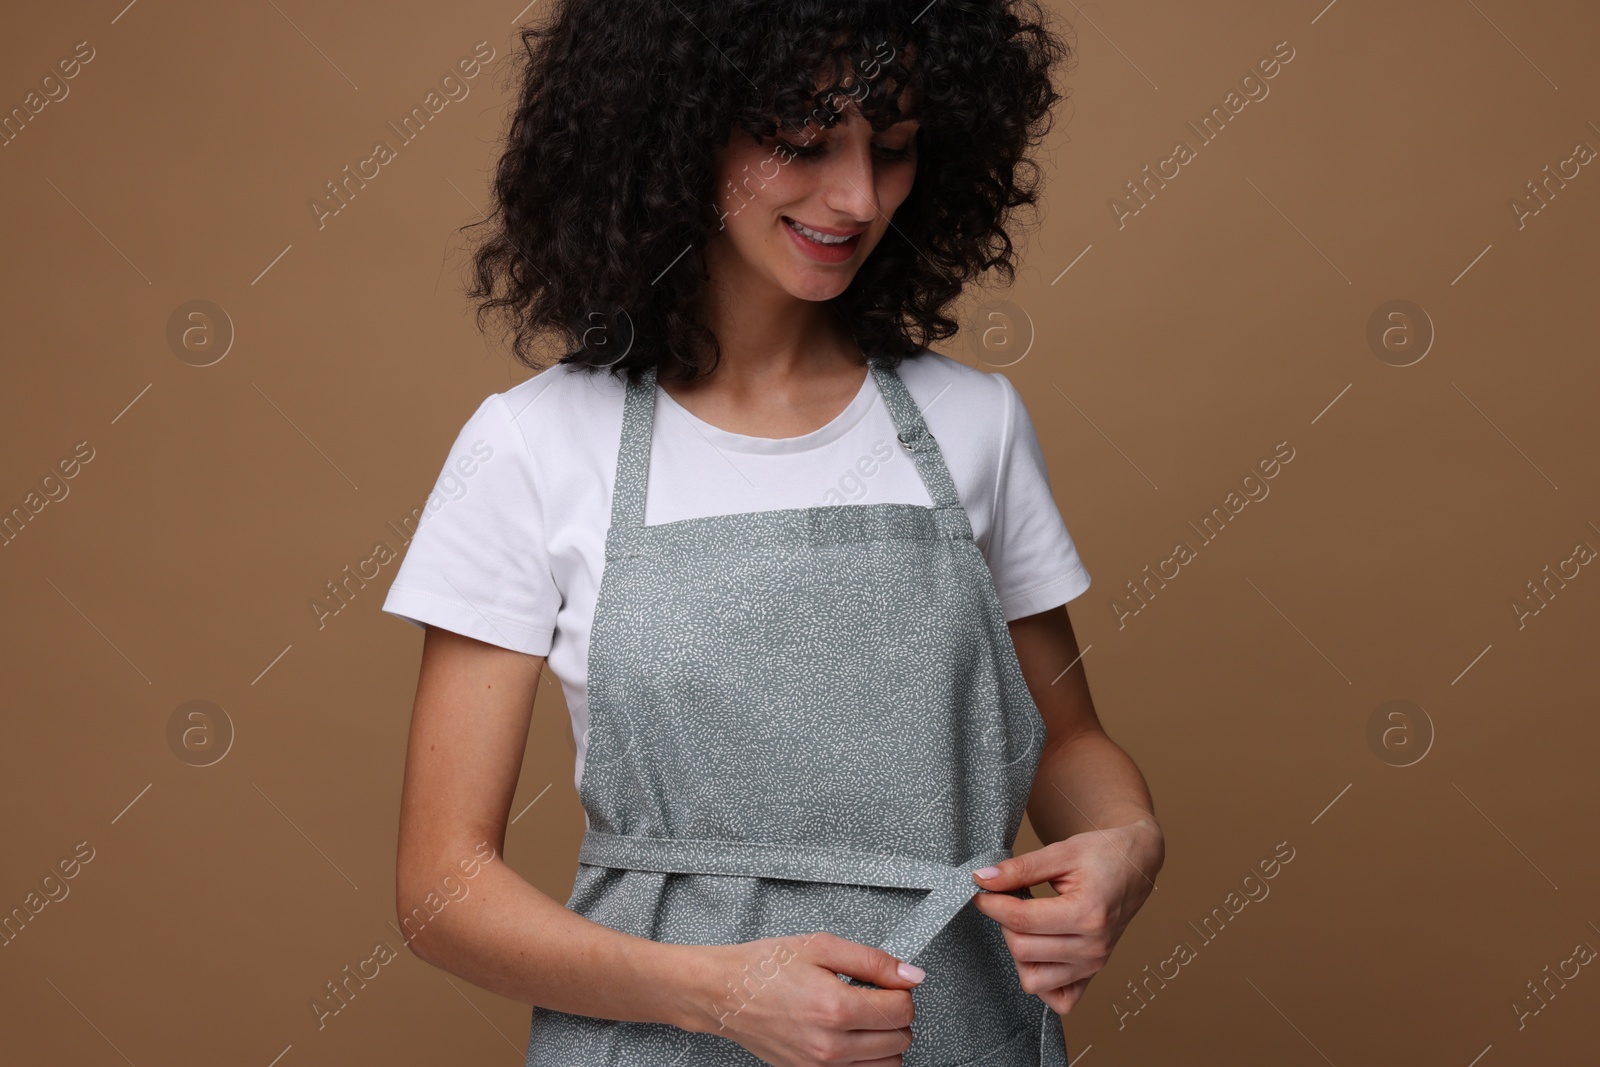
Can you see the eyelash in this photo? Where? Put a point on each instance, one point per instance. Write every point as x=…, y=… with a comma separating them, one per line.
x=893, y=155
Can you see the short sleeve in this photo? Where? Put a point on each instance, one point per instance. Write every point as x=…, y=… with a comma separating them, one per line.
x=477, y=564
x=1031, y=555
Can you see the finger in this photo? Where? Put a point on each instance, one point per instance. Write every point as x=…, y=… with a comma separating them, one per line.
x=1065, y=999
x=869, y=1046
x=863, y=962
x=1055, y=948
x=1042, y=978
x=881, y=1010
x=1020, y=872
x=1030, y=915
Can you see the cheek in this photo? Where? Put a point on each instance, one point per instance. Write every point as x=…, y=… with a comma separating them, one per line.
x=759, y=194
x=894, y=186
x=774, y=183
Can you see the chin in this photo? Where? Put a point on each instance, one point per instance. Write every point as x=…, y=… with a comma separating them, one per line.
x=818, y=289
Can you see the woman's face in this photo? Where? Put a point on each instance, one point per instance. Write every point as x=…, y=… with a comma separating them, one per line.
x=842, y=184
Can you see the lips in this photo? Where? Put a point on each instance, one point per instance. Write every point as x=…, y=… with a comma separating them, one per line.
x=821, y=234
x=823, y=245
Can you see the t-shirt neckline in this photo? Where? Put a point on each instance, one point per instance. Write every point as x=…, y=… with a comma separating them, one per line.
x=837, y=427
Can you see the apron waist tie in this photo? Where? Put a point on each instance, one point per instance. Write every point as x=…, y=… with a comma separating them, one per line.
x=950, y=887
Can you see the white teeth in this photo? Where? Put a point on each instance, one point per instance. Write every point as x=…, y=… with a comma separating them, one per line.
x=820, y=238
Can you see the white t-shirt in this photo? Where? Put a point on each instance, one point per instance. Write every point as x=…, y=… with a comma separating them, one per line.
x=511, y=543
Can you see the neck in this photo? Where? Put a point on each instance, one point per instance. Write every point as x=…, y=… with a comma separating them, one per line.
x=767, y=334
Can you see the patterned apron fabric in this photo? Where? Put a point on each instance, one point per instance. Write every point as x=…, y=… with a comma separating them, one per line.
x=805, y=719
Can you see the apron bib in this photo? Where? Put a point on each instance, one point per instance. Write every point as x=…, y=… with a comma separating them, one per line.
x=805, y=719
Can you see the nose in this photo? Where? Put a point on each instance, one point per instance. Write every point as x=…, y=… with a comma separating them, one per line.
x=851, y=184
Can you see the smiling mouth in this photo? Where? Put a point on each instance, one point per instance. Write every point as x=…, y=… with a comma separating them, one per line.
x=821, y=237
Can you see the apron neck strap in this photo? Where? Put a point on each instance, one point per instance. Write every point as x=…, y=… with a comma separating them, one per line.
x=914, y=435
x=638, y=417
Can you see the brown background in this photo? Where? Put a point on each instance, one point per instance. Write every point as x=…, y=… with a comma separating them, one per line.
x=1228, y=315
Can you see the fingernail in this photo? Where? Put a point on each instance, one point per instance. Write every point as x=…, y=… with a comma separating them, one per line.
x=911, y=972
x=986, y=872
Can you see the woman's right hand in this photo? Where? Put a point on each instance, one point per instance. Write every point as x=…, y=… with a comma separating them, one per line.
x=782, y=999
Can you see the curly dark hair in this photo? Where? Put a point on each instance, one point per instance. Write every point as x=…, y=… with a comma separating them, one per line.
x=603, y=198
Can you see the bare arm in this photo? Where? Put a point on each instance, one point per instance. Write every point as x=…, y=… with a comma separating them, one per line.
x=1085, y=780
x=1091, y=809
x=468, y=730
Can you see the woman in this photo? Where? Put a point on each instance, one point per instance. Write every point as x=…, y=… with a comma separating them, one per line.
x=802, y=580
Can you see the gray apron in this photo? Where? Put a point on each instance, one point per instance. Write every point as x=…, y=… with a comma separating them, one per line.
x=805, y=719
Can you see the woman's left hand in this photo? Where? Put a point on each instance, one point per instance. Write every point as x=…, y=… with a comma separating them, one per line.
x=1058, y=943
